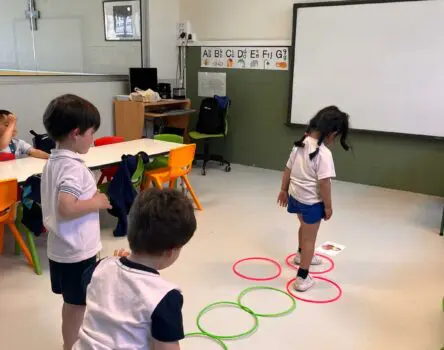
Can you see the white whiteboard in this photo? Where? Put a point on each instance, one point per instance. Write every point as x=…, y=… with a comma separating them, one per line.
x=58, y=45
x=210, y=84
x=381, y=63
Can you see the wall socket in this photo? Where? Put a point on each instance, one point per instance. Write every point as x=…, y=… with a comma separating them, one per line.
x=192, y=37
x=183, y=28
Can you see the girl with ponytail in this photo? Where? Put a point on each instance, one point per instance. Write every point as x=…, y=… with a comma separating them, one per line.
x=306, y=185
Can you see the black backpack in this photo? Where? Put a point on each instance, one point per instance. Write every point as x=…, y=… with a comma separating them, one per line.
x=42, y=142
x=211, y=117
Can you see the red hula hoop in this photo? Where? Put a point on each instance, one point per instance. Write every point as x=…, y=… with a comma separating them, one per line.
x=295, y=267
x=274, y=262
x=289, y=290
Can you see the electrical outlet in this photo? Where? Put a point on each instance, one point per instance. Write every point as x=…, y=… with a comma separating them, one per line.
x=183, y=29
x=192, y=37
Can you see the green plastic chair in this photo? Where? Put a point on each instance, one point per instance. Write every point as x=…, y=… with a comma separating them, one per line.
x=162, y=161
x=29, y=238
x=136, y=178
x=206, y=139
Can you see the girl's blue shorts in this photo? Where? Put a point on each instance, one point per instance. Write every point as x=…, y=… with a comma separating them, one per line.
x=311, y=214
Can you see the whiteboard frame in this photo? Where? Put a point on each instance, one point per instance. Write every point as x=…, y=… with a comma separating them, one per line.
x=296, y=7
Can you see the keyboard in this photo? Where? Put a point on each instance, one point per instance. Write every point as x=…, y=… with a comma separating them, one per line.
x=171, y=112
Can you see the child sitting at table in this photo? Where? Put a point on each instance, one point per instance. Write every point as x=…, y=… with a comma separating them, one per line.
x=129, y=305
x=10, y=144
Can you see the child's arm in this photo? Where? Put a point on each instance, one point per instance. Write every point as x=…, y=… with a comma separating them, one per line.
x=70, y=207
x=325, y=172
x=325, y=192
x=167, y=322
x=283, y=194
x=6, y=138
x=286, y=180
x=158, y=345
x=36, y=153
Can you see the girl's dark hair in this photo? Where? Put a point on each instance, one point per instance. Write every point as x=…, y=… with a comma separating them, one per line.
x=326, y=121
x=68, y=112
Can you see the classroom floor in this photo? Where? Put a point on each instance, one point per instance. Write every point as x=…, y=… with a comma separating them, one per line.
x=391, y=272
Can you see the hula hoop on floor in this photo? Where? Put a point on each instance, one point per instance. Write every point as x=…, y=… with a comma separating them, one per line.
x=203, y=335
x=289, y=262
x=278, y=314
x=274, y=262
x=231, y=304
x=326, y=301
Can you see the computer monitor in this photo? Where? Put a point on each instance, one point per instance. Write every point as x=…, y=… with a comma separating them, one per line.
x=143, y=78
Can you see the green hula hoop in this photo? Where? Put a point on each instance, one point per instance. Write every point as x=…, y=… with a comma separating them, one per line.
x=216, y=340
x=279, y=314
x=227, y=337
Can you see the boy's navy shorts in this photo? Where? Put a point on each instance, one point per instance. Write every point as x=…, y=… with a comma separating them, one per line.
x=67, y=280
x=311, y=214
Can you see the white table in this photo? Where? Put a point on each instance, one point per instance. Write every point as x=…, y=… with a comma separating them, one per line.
x=96, y=158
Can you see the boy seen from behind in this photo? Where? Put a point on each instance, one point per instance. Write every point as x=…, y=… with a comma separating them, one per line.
x=129, y=306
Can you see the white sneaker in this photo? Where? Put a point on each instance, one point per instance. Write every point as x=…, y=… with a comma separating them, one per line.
x=302, y=285
x=316, y=260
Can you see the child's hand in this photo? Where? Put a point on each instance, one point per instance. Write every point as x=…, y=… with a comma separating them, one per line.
x=328, y=213
x=283, y=199
x=121, y=252
x=101, y=201
x=12, y=120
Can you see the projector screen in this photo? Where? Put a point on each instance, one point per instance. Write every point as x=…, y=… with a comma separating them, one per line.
x=382, y=63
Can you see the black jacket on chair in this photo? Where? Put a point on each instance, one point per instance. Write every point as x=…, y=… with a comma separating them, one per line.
x=31, y=202
x=121, y=192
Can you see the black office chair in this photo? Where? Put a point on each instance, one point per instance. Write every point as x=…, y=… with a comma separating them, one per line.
x=207, y=137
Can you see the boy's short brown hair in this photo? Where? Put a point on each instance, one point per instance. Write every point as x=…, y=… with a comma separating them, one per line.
x=160, y=220
x=68, y=112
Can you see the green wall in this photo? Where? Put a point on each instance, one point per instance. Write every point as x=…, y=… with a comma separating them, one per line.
x=259, y=137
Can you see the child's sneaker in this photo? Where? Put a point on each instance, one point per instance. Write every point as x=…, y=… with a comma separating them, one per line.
x=316, y=260
x=301, y=285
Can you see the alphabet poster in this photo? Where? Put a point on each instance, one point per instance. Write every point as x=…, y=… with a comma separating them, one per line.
x=266, y=58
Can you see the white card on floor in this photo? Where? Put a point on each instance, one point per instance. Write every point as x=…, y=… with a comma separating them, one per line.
x=330, y=248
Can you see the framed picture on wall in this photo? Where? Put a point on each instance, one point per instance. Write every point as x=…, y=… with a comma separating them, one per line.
x=122, y=20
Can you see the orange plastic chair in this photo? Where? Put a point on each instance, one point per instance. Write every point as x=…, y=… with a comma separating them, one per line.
x=4, y=157
x=180, y=162
x=107, y=173
x=8, y=200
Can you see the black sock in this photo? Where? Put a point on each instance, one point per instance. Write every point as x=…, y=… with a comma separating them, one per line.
x=299, y=250
x=302, y=273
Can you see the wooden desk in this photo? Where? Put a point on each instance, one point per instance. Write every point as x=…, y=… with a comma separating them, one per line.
x=96, y=158
x=130, y=116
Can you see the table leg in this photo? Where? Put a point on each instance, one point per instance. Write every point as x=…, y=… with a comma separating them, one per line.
x=441, y=232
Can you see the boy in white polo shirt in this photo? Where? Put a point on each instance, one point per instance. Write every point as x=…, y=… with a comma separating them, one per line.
x=128, y=304
x=70, y=206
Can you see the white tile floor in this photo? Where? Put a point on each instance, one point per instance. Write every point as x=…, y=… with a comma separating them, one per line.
x=391, y=273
